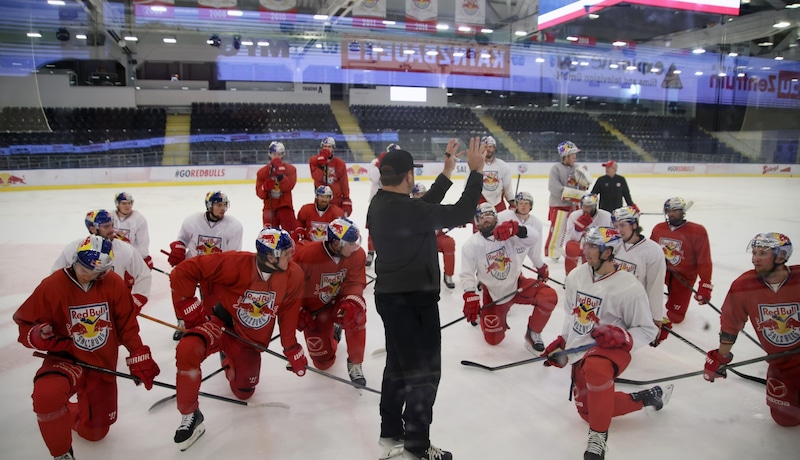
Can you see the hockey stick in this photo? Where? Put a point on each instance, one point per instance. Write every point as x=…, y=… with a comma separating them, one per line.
x=688, y=206
x=173, y=396
x=490, y=304
x=686, y=284
x=528, y=361
x=155, y=382
x=700, y=372
x=548, y=278
x=734, y=371
x=160, y=271
x=371, y=279
x=280, y=356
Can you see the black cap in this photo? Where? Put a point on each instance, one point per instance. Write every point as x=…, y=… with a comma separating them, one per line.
x=397, y=162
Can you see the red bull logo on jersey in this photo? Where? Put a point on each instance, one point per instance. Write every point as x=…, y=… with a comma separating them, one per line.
x=629, y=267
x=585, y=313
x=255, y=309
x=319, y=231
x=498, y=263
x=673, y=251
x=780, y=324
x=491, y=181
x=329, y=285
x=208, y=245
x=89, y=326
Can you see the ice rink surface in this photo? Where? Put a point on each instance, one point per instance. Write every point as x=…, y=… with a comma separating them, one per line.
x=521, y=412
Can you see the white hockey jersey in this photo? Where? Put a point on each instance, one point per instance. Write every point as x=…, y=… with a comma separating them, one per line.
x=200, y=236
x=127, y=264
x=602, y=218
x=374, y=175
x=615, y=299
x=496, y=264
x=645, y=260
x=134, y=228
x=497, y=182
x=535, y=231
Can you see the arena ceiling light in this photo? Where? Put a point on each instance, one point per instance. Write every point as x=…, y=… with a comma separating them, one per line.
x=33, y=34
x=170, y=40
x=781, y=24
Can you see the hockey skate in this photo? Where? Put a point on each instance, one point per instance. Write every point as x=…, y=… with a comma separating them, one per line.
x=370, y=258
x=356, y=373
x=533, y=342
x=431, y=453
x=655, y=398
x=390, y=448
x=190, y=430
x=70, y=456
x=596, y=445
x=448, y=281
x=178, y=333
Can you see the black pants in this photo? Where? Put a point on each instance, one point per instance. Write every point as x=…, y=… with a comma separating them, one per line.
x=413, y=365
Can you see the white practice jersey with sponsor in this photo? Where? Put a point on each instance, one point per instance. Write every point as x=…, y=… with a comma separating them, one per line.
x=497, y=182
x=616, y=299
x=374, y=175
x=645, y=260
x=203, y=237
x=127, y=263
x=535, y=231
x=497, y=264
x=134, y=228
x=602, y=218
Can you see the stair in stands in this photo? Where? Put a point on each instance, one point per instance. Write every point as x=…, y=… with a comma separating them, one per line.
x=502, y=137
x=627, y=141
x=176, y=151
x=359, y=147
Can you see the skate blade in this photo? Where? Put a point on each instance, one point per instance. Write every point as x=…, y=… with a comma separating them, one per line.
x=198, y=431
x=394, y=452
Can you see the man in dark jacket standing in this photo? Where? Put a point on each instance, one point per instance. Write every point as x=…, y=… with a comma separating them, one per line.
x=407, y=292
x=612, y=188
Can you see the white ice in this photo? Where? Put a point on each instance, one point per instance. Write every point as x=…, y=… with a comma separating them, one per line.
x=522, y=412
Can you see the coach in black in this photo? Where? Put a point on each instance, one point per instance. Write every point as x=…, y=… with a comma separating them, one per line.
x=612, y=188
x=407, y=291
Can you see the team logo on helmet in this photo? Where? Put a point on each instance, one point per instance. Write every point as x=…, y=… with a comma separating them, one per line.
x=778, y=242
x=273, y=241
x=585, y=313
x=97, y=218
x=95, y=253
x=324, y=190
x=625, y=214
x=603, y=238
x=589, y=200
x=328, y=141
x=255, y=309
x=419, y=188
x=391, y=147
x=343, y=229
x=216, y=197
x=779, y=324
x=123, y=196
x=498, y=263
x=277, y=147
x=524, y=196
x=89, y=326
x=329, y=285
x=674, y=203
x=567, y=148
x=489, y=141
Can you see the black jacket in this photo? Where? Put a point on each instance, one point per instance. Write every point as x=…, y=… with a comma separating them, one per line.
x=403, y=233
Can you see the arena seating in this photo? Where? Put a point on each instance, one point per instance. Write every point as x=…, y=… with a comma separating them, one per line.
x=422, y=130
x=244, y=119
x=673, y=138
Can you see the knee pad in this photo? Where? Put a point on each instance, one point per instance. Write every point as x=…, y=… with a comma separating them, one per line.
x=573, y=249
x=50, y=395
x=547, y=299
x=92, y=434
x=598, y=373
x=325, y=363
x=242, y=393
x=190, y=352
x=784, y=419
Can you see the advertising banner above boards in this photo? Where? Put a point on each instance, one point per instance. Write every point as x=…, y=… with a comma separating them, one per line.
x=554, y=12
x=40, y=179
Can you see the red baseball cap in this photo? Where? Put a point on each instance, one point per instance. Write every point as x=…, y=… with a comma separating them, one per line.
x=609, y=164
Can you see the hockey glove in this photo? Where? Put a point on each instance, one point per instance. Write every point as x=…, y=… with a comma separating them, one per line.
x=191, y=311
x=299, y=234
x=506, y=230
x=305, y=320
x=663, y=332
x=583, y=222
x=559, y=344
x=297, y=359
x=703, y=294
x=635, y=208
x=544, y=273
x=472, y=305
x=177, y=253
x=149, y=262
x=322, y=159
x=347, y=207
x=42, y=338
x=143, y=367
x=715, y=361
x=608, y=336
x=138, y=302
x=353, y=312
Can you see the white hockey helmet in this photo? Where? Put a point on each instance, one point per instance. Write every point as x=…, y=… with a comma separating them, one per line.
x=95, y=253
x=567, y=148
x=603, y=238
x=778, y=242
